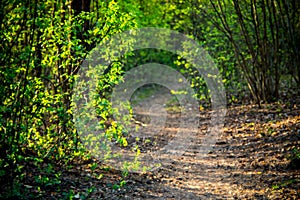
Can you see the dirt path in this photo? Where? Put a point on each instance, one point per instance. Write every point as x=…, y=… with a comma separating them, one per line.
x=249, y=161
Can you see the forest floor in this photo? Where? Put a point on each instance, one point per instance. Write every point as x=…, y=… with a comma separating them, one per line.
x=250, y=160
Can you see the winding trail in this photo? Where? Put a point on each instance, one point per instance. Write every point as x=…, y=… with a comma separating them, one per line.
x=247, y=162
x=250, y=160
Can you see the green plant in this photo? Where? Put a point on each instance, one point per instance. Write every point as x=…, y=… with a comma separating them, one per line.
x=43, y=46
x=295, y=158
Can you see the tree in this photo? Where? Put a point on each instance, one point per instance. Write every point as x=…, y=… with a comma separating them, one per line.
x=43, y=44
x=263, y=35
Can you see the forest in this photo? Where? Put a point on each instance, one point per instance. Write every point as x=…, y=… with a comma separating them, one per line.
x=150, y=99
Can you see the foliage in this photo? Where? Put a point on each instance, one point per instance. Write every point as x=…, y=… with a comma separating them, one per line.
x=259, y=43
x=44, y=43
x=295, y=158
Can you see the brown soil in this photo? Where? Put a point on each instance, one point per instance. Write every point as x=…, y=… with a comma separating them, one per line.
x=250, y=160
